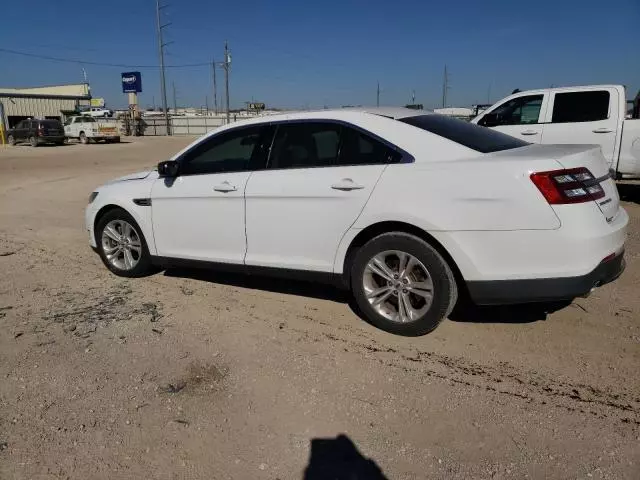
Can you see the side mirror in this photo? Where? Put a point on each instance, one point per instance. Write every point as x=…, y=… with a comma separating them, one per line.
x=490, y=120
x=168, y=168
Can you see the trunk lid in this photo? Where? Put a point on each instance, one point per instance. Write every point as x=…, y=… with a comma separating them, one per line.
x=591, y=157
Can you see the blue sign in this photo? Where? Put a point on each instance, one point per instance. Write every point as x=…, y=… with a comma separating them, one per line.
x=131, y=82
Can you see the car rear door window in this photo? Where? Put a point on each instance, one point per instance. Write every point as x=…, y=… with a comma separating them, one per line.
x=305, y=145
x=234, y=151
x=358, y=148
x=580, y=107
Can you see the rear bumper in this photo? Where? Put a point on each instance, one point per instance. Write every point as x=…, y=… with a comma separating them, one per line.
x=499, y=292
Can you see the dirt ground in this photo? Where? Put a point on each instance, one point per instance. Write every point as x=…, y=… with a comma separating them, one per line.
x=203, y=375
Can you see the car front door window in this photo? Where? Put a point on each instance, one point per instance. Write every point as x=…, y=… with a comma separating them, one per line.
x=234, y=151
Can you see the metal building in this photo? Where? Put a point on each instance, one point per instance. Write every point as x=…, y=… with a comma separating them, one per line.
x=17, y=104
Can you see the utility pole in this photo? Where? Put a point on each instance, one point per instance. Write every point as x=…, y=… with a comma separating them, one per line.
x=445, y=87
x=175, y=101
x=215, y=86
x=161, y=45
x=413, y=97
x=378, y=96
x=489, y=94
x=227, y=63
x=206, y=104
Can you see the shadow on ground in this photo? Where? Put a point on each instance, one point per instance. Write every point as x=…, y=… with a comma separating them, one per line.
x=465, y=311
x=468, y=312
x=629, y=192
x=339, y=459
x=261, y=282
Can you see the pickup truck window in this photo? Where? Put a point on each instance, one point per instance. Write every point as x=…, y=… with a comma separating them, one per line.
x=580, y=106
x=517, y=111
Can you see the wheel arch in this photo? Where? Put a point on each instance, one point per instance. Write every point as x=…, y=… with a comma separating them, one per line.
x=141, y=214
x=379, y=228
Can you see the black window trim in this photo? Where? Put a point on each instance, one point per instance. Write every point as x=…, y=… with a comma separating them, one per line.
x=183, y=158
x=405, y=157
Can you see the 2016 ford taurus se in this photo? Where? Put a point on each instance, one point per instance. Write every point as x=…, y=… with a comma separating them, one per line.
x=405, y=208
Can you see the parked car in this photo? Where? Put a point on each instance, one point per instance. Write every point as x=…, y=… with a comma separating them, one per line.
x=36, y=132
x=99, y=112
x=404, y=208
x=595, y=114
x=86, y=129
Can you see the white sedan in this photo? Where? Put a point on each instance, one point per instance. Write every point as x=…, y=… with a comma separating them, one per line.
x=403, y=207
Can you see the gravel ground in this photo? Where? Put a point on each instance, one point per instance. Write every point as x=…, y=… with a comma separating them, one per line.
x=191, y=374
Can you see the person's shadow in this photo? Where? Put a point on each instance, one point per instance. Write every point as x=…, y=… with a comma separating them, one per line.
x=339, y=459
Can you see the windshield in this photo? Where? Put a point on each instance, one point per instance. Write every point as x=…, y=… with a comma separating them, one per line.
x=472, y=136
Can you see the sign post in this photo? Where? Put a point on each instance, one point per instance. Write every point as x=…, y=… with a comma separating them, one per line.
x=132, y=85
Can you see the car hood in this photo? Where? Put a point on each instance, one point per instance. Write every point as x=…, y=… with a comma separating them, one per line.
x=136, y=176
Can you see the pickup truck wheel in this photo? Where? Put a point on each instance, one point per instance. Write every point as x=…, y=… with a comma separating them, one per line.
x=11, y=140
x=33, y=141
x=83, y=138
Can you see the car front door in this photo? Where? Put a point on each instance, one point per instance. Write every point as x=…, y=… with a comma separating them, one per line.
x=318, y=180
x=200, y=213
x=584, y=117
x=521, y=117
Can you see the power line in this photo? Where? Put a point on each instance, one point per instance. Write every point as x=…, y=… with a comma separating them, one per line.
x=102, y=64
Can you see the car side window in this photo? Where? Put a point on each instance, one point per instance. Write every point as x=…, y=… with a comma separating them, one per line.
x=580, y=106
x=517, y=111
x=305, y=145
x=233, y=151
x=358, y=148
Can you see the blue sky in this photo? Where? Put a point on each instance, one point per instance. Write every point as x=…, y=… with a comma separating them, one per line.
x=292, y=53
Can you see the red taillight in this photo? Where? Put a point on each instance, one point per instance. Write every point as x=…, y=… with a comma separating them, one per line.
x=574, y=185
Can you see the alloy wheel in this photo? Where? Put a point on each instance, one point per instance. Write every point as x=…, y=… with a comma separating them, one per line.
x=398, y=286
x=121, y=244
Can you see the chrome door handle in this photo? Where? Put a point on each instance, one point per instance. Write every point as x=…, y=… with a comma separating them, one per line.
x=529, y=132
x=225, y=187
x=346, y=184
x=602, y=130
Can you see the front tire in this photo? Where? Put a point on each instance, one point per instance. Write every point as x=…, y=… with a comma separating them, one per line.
x=122, y=246
x=11, y=140
x=33, y=141
x=402, y=284
x=83, y=138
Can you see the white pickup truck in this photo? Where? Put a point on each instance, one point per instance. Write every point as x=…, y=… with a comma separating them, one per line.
x=86, y=128
x=595, y=114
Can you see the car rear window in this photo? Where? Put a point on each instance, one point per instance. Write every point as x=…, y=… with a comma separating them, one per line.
x=472, y=136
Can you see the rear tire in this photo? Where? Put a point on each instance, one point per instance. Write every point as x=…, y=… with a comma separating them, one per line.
x=83, y=138
x=402, y=284
x=33, y=141
x=123, y=248
x=11, y=140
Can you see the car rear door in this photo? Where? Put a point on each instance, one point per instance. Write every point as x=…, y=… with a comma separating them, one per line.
x=319, y=178
x=200, y=214
x=520, y=116
x=584, y=116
